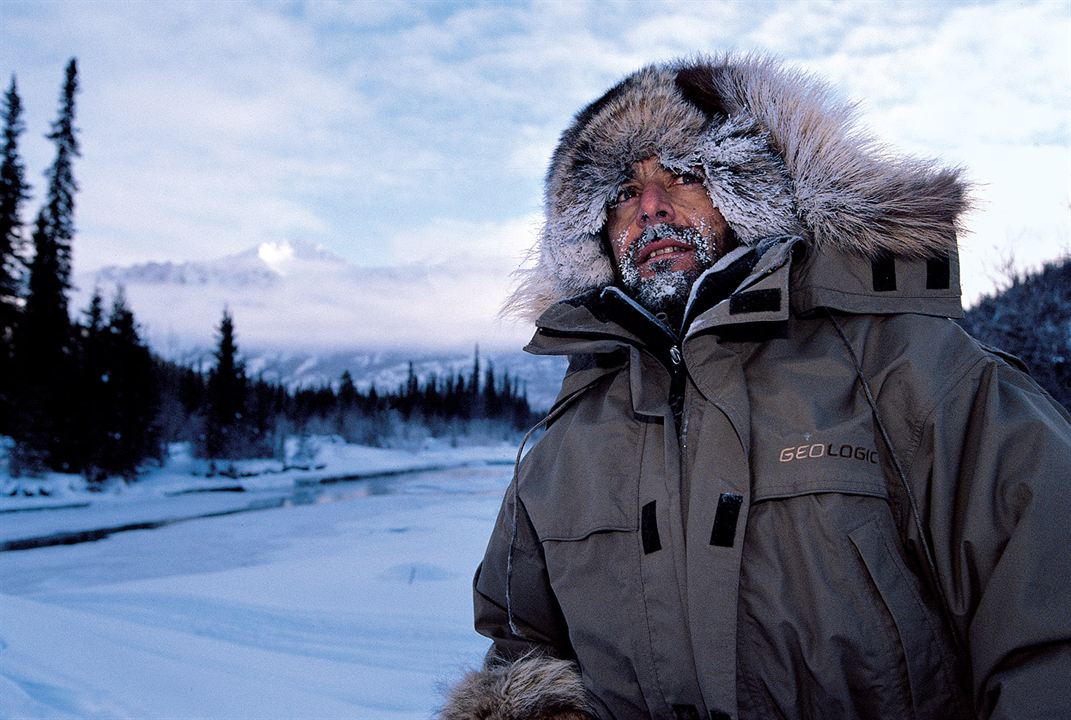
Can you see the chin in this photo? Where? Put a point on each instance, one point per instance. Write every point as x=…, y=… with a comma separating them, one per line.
x=683, y=266
x=666, y=291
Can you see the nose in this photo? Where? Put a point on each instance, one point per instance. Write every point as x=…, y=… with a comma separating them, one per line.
x=655, y=206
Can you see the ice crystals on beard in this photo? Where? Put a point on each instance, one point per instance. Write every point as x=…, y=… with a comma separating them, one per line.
x=666, y=288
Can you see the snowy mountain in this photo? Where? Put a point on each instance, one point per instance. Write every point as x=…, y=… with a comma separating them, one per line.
x=301, y=296
x=259, y=266
x=303, y=315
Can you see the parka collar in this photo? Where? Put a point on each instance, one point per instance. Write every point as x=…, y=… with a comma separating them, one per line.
x=753, y=291
x=883, y=286
x=748, y=285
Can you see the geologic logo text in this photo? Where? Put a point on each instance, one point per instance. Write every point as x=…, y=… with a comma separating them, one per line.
x=820, y=450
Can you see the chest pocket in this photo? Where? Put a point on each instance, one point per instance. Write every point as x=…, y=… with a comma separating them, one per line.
x=584, y=512
x=834, y=623
x=581, y=489
x=583, y=476
x=580, y=486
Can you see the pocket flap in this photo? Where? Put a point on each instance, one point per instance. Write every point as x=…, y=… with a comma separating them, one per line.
x=787, y=467
x=583, y=475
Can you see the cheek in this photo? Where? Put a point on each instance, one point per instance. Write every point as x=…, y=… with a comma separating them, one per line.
x=717, y=222
x=618, y=243
x=712, y=223
x=616, y=237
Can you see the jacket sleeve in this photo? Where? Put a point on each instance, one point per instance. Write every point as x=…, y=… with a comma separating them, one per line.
x=529, y=674
x=993, y=469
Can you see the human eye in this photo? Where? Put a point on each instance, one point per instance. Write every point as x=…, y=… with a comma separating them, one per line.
x=688, y=178
x=624, y=195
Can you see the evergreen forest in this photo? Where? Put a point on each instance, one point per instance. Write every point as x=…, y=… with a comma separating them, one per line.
x=87, y=395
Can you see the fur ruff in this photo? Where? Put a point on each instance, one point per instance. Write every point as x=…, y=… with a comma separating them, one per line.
x=534, y=687
x=781, y=156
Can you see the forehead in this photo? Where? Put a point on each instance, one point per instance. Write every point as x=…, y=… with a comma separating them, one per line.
x=648, y=167
x=651, y=168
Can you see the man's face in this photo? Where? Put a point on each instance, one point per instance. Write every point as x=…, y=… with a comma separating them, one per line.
x=664, y=232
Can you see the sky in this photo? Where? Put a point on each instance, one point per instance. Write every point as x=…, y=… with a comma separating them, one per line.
x=418, y=132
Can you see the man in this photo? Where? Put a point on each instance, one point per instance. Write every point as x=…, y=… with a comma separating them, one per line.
x=778, y=481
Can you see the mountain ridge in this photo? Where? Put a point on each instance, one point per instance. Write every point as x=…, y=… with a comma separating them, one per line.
x=300, y=296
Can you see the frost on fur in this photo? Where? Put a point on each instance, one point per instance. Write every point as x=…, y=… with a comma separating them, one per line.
x=534, y=687
x=781, y=155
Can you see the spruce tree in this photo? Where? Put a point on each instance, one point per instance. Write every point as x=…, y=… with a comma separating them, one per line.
x=490, y=393
x=409, y=392
x=226, y=397
x=347, y=391
x=346, y=414
x=131, y=429
x=13, y=192
x=58, y=210
x=373, y=402
x=91, y=403
x=43, y=354
x=474, y=383
x=263, y=406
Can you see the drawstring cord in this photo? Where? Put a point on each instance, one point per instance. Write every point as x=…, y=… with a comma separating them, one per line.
x=551, y=416
x=903, y=481
x=513, y=531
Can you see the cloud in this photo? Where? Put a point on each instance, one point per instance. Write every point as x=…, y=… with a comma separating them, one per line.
x=504, y=243
x=991, y=73
x=317, y=302
x=393, y=131
x=333, y=14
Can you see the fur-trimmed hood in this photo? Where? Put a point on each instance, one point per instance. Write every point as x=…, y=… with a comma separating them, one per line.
x=780, y=153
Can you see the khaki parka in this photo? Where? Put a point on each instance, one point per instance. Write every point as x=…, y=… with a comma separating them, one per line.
x=827, y=501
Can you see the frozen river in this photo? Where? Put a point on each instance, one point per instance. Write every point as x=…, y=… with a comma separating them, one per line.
x=78, y=522
x=346, y=600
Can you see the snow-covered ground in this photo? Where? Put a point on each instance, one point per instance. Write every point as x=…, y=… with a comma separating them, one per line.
x=350, y=599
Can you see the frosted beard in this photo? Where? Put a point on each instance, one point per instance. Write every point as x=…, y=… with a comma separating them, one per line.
x=665, y=293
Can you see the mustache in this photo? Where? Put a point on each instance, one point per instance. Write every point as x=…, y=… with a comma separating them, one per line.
x=653, y=233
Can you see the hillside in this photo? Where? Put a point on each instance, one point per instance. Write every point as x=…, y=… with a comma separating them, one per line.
x=1031, y=318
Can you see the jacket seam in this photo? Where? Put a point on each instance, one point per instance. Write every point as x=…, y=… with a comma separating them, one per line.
x=585, y=535
x=889, y=606
x=924, y=418
x=894, y=295
x=520, y=543
x=864, y=491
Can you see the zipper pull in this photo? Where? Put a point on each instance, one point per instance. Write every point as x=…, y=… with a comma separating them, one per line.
x=675, y=355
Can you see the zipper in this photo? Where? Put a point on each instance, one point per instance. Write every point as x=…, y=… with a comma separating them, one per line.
x=684, y=428
x=677, y=375
x=658, y=340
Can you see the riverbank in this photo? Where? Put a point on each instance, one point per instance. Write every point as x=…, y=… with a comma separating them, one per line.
x=320, y=460
x=60, y=509
x=355, y=605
